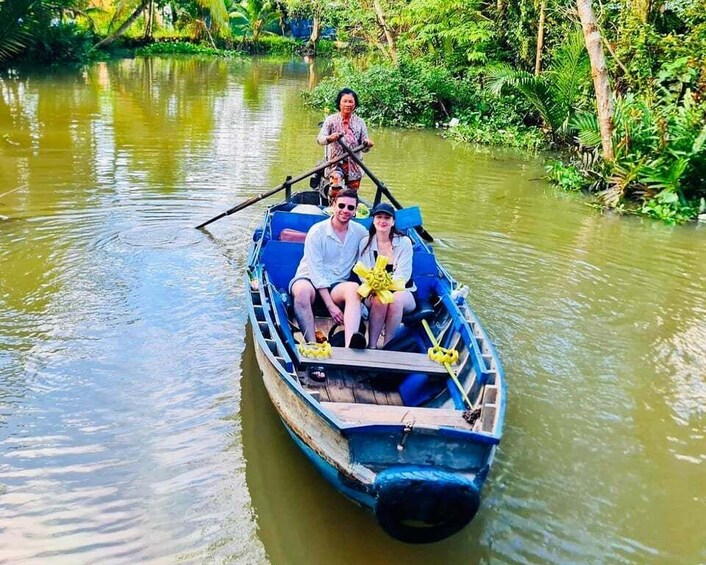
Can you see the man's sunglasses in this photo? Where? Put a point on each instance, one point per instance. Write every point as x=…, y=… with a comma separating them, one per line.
x=350, y=207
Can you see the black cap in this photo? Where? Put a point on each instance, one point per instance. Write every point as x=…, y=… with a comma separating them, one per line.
x=383, y=208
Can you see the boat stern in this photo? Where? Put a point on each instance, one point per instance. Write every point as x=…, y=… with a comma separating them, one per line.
x=422, y=504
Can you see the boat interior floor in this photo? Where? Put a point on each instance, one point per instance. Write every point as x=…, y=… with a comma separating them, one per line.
x=342, y=385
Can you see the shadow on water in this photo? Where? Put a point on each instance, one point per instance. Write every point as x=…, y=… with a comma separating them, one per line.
x=303, y=519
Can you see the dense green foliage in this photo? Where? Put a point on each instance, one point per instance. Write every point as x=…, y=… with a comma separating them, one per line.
x=442, y=61
x=660, y=156
x=411, y=93
x=34, y=31
x=184, y=48
x=418, y=94
x=491, y=72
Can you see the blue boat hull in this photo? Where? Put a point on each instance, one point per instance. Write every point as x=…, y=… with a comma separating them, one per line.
x=417, y=464
x=411, y=503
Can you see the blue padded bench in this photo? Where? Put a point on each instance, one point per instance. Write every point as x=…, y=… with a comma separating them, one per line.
x=406, y=218
x=293, y=221
x=281, y=259
x=425, y=273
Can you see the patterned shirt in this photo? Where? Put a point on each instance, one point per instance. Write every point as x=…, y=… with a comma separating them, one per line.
x=354, y=135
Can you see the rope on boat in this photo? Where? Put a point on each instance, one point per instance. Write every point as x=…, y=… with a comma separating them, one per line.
x=446, y=364
x=315, y=350
x=377, y=280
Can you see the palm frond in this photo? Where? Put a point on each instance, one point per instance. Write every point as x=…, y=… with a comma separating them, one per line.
x=569, y=72
x=501, y=76
x=14, y=36
x=662, y=175
x=588, y=129
x=699, y=142
x=624, y=178
x=535, y=89
x=218, y=11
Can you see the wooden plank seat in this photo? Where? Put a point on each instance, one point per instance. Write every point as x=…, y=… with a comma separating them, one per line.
x=378, y=359
x=368, y=414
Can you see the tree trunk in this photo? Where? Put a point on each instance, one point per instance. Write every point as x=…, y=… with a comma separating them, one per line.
x=149, y=19
x=540, y=38
x=386, y=30
x=642, y=8
x=315, y=33
x=599, y=72
x=500, y=8
x=123, y=28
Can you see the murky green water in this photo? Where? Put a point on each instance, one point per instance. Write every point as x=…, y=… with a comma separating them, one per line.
x=134, y=427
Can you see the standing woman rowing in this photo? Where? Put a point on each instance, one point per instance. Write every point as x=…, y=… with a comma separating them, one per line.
x=344, y=124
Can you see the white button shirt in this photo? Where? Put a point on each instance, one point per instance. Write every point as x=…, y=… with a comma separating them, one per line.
x=327, y=260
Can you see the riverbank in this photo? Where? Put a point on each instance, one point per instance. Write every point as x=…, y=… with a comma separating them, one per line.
x=649, y=177
x=659, y=169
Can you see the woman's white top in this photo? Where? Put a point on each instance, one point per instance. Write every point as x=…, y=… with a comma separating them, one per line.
x=402, y=254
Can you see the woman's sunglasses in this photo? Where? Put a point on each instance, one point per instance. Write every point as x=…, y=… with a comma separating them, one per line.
x=350, y=207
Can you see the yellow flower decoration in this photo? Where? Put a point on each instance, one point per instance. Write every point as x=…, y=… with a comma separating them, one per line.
x=377, y=280
x=315, y=350
x=443, y=355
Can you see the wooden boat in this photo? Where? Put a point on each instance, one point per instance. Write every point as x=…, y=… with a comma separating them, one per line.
x=407, y=437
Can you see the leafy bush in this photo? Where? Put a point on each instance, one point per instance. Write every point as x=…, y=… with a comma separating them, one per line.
x=494, y=133
x=183, y=48
x=325, y=48
x=59, y=42
x=671, y=45
x=567, y=176
x=410, y=94
x=667, y=208
x=660, y=155
x=278, y=45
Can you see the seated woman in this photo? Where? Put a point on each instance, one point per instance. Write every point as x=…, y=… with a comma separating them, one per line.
x=385, y=239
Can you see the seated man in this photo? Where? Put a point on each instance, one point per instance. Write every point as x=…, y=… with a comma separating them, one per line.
x=330, y=251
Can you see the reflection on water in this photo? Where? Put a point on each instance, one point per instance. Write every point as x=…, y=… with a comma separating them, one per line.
x=133, y=423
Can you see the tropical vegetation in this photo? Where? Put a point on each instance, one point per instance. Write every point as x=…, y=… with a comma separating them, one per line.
x=618, y=89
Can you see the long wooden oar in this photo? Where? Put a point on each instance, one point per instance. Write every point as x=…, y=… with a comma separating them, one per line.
x=288, y=183
x=381, y=186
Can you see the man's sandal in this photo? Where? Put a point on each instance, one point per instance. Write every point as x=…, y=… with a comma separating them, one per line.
x=317, y=374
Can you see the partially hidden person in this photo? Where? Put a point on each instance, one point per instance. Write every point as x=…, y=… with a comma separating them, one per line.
x=385, y=239
x=324, y=273
x=347, y=126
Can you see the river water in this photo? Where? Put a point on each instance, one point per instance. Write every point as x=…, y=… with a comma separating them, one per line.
x=133, y=423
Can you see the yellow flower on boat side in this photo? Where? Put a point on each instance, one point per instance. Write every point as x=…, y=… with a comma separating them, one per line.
x=316, y=350
x=377, y=280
